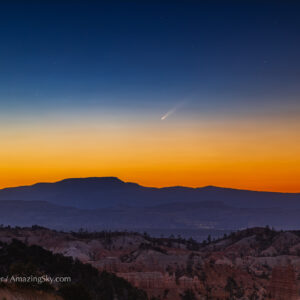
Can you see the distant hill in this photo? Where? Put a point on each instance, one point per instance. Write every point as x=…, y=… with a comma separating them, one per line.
x=105, y=192
x=109, y=203
x=189, y=219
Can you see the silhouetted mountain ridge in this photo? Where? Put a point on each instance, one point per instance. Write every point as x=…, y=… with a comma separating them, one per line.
x=106, y=192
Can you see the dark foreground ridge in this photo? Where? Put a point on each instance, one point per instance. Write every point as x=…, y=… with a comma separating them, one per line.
x=18, y=260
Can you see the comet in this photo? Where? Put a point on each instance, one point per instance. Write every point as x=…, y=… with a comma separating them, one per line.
x=171, y=111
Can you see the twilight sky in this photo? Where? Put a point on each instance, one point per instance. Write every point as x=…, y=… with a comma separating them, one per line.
x=190, y=93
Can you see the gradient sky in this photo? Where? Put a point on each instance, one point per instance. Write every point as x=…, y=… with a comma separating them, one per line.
x=190, y=93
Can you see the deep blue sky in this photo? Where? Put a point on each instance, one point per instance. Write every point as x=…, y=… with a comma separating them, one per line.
x=180, y=93
x=108, y=53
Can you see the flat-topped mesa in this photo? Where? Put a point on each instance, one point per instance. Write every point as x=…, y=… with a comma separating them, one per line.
x=91, y=180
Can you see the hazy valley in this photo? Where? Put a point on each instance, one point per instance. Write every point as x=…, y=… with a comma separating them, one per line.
x=109, y=203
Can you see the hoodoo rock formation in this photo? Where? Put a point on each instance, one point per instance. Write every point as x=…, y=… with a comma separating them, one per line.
x=257, y=263
x=283, y=285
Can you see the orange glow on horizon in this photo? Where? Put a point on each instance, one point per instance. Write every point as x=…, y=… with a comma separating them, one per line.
x=235, y=154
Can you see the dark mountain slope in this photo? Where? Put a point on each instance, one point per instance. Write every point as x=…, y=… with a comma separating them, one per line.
x=86, y=283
